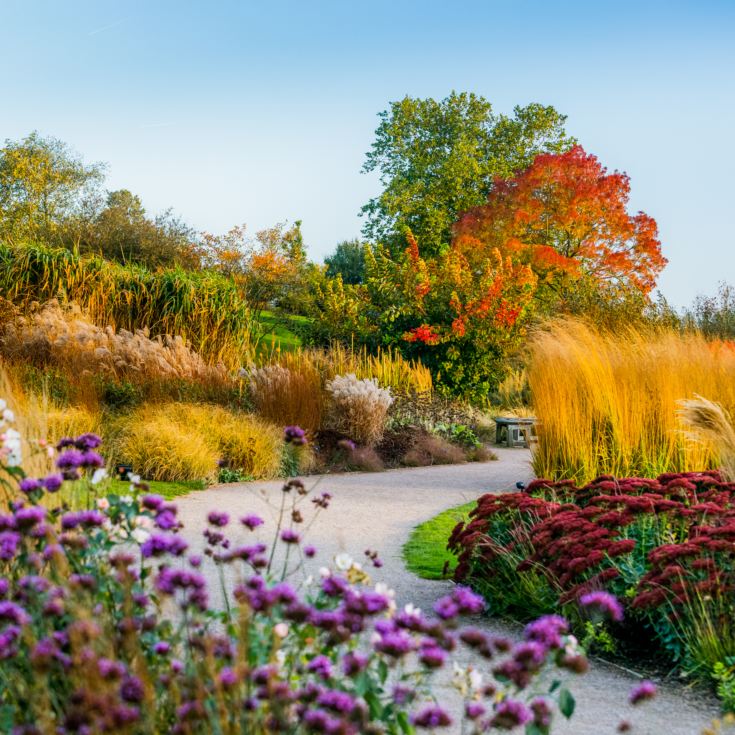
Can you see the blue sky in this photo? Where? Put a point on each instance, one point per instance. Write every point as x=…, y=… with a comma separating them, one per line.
x=260, y=112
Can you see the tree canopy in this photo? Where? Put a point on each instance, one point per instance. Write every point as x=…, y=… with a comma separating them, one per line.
x=567, y=218
x=436, y=159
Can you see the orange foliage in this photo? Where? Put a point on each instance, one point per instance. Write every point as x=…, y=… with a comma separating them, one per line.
x=566, y=217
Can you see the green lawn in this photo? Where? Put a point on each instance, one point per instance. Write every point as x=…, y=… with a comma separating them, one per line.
x=167, y=489
x=425, y=552
x=276, y=332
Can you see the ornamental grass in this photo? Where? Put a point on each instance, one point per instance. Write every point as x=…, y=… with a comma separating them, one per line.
x=204, y=308
x=607, y=403
x=177, y=441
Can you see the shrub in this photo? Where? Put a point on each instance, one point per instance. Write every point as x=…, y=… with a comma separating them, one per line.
x=174, y=441
x=88, y=637
x=204, y=308
x=607, y=403
x=358, y=408
x=429, y=449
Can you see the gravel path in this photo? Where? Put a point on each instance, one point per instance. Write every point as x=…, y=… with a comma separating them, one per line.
x=378, y=511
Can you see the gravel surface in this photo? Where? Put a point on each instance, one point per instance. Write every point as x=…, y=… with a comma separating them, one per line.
x=378, y=511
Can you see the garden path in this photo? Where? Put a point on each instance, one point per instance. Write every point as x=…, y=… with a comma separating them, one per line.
x=378, y=511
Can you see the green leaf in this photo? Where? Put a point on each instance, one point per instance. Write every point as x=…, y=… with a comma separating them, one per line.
x=403, y=723
x=534, y=729
x=566, y=703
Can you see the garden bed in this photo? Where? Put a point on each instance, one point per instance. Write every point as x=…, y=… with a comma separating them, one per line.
x=663, y=547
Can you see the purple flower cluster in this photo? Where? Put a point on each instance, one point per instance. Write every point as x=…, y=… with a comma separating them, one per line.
x=294, y=435
x=601, y=605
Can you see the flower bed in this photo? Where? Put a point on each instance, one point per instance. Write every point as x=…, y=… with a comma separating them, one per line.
x=664, y=547
x=106, y=624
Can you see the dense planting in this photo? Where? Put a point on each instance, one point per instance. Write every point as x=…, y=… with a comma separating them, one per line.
x=664, y=547
x=204, y=308
x=107, y=624
x=607, y=402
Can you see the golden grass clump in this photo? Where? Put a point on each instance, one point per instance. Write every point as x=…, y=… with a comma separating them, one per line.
x=175, y=441
x=288, y=395
x=71, y=421
x=67, y=338
x=607, y=403
x=358, y=408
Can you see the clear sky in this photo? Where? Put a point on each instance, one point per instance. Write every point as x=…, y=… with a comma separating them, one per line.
x=260, y=112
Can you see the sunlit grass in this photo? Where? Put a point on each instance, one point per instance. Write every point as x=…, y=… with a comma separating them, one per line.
x=607, y=403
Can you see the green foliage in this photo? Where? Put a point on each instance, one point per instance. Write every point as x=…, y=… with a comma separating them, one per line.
x=458, y=434
x=122, y=231
x=233, y=474
x=347, y=261
x=437, y=159
x=43, y=185
x=723, y=674
x=714, y=315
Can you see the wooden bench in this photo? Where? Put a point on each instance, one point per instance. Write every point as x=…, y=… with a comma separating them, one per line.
x=514, y=431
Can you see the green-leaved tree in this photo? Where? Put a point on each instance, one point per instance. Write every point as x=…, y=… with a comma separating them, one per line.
x=436, y=159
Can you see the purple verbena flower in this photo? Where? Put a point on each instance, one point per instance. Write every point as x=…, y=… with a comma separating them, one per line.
x=431, y=717
x=642, y=692
x=251, y=521
x=294, y=435
x=509, y=714
x=218, y=518
x=602, y=605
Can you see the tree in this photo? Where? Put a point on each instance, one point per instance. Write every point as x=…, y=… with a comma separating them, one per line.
x=566, y=217
x=438, y=159
x=43, y=183
x=460, y=319
x=714, y=315
x=348, y=261
x=122, y=231
x=267, y=267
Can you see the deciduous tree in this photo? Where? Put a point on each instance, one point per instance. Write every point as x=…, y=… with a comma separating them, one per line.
x=567, y=218
x=437, y=159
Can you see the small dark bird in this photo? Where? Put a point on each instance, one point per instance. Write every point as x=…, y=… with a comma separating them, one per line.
x=521, y=485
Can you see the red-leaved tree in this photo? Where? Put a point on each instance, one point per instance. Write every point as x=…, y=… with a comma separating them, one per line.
x=567, y=218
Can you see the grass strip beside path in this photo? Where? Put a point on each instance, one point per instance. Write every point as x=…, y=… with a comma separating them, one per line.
x=425, y=552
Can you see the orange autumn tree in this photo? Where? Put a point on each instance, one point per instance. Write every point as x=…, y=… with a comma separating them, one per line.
x=567, y=218
x=460, y=318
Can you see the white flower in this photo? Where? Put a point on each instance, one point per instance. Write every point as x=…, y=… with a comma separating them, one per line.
x=280, y=657
x=8, y=415
x=140, y=535
x=343, y=562
x=324, y=572
x=127, y=499
x=99, y=475
x=382, y=589
x=3, y=404
x=103, y=503
x=412, y=610
x=12, y=447
x=134, y=480
x=475, y=679
x=280, y=629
